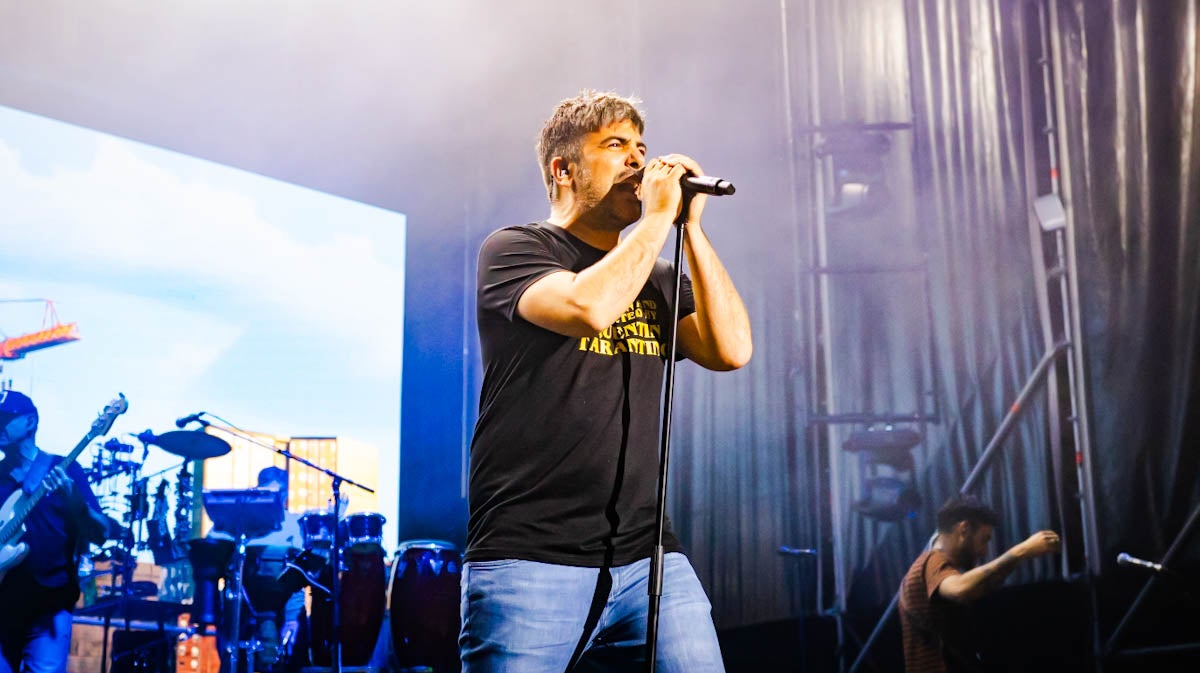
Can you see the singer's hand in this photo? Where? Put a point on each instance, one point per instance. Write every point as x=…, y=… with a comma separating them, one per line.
x=661, y=192
x=698, y=200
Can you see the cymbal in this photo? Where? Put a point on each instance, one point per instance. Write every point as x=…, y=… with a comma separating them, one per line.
x=192, y=444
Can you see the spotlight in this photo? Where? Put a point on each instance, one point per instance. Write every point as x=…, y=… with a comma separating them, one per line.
x=859, y=188
x=885, y=456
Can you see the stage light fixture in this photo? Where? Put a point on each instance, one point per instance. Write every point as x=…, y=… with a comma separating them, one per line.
x=887, y=465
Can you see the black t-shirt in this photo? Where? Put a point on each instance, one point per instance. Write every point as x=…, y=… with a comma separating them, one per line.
x=564, y=461
x=47, y=579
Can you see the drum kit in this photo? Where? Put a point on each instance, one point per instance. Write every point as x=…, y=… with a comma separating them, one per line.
x=247, y=591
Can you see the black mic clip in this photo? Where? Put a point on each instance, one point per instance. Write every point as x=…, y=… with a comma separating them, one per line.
x=190, y=418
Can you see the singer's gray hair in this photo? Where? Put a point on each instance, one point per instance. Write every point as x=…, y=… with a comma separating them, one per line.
x=576, y=117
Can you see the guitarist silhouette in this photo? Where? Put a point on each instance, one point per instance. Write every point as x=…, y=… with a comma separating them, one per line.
x=39, y=568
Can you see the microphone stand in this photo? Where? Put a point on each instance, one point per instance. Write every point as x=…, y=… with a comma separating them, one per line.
x=335, y=641
x=655, y=580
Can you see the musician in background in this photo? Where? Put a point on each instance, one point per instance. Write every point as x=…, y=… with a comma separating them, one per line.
x=288, y=536
x=277, y=622
x=937, y=591
x=37, y=594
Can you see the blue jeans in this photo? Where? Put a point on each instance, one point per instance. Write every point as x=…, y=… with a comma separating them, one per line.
x=528, y=617
x=37, y=646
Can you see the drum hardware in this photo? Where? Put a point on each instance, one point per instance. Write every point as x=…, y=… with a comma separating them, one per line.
x=209, y=558
x=183, y=505
x=158, y=533
x=337, y=482
x=123, y=598
x=145, y=526
x=112, y=459
x=243, y=514
x=267, y=599
x=304, y=570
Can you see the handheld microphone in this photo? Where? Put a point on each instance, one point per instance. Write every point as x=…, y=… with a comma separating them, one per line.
x=697, y=184
x=707, y=184
x=190, y=418
x=1127, y=560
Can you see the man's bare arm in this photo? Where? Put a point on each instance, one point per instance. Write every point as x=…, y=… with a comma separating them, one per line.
x=717, y=335
x=977, y=582
x=584, y=303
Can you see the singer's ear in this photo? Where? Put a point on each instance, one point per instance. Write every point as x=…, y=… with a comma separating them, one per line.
x=558, y=168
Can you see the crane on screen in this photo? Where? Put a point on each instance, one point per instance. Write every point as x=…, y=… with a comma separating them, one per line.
x=52, y=333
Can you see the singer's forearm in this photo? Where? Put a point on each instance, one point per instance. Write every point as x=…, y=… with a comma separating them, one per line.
x=584, y=303
x=721, y=337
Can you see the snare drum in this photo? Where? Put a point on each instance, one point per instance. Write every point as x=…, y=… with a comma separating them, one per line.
x=317, y=528
x=423, y=599
x=363, y=532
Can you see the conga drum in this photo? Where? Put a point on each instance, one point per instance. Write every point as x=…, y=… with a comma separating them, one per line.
x=363, y=531
x=423, y=599
x=363, y=598
x=317, y=528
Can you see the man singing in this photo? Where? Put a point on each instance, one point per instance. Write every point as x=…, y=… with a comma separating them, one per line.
x=36, y=595
x=574, y=322
x=942, y=582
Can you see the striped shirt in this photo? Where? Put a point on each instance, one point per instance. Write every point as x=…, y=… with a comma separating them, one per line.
x=937, y=633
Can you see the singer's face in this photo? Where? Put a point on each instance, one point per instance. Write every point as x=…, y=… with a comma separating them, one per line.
x=606, y=174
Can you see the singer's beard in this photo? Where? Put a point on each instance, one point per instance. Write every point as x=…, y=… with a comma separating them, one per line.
x=609, y=206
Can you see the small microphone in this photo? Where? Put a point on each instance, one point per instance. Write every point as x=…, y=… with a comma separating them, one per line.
x=190, y=418
x=1127, y=560
x=707, y=184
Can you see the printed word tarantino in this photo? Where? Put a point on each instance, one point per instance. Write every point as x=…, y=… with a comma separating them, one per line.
x=637, y=331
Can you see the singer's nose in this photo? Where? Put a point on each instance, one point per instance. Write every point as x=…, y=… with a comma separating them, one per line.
x=636, y=158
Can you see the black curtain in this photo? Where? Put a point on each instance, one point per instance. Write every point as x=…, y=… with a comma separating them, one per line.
x=1132, y=176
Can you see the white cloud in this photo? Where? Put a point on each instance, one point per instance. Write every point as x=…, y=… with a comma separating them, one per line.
x=124, y=214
